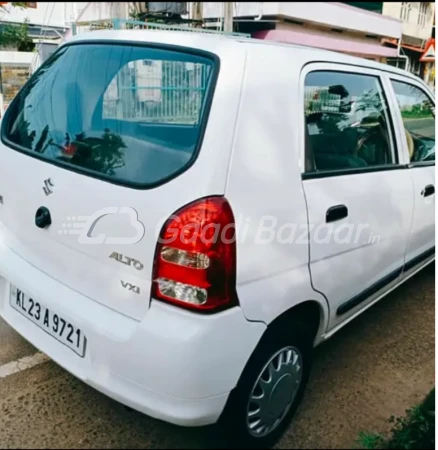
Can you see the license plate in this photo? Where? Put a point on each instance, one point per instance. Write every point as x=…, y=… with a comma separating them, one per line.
x=52, y=323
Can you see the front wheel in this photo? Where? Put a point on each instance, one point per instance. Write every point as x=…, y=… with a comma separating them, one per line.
x=270, y=389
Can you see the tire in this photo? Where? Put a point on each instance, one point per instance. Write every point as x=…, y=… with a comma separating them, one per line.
x=234, y=422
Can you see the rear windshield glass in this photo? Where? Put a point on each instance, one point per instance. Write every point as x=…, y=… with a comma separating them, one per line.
x=132, y=114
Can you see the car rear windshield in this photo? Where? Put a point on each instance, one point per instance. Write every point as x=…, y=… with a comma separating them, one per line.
x=130, y=114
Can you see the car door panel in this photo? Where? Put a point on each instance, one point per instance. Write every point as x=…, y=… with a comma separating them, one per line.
x=416, y=114
x=359, y=197
x=422, y=239
x=359, y=255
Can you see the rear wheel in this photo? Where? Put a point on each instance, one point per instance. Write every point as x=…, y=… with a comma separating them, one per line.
x=270, y=389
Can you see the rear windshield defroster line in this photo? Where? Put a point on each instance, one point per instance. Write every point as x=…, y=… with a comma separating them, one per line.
x=133, y=114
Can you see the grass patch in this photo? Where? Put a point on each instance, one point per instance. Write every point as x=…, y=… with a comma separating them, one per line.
x=414, y=431
x=417, y=114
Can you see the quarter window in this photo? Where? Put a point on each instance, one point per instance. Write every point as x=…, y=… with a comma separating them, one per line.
x=418, y=114
x=347, y=122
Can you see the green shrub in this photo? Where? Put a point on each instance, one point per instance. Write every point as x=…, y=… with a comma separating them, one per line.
x=17, y=36
x=414, y=431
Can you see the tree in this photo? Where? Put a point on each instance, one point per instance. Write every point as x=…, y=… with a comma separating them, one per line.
x=16, y=35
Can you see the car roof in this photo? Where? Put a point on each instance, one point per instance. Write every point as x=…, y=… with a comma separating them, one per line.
x=215, y=42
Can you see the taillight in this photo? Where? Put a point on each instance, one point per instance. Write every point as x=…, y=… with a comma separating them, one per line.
x=195, y=259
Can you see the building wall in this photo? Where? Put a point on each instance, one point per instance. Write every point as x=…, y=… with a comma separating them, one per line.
x=14, y=71
x=103, y=11
x=16, y=58
x=346, y=35
x=329, y=14
x=46, y=13
x=13, y=78
x=62, y=14
x=413, y=25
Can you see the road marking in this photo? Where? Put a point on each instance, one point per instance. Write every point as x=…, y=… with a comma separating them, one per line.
x=22, y=364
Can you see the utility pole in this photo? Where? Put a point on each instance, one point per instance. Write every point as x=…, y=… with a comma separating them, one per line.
x=228, y=16
x=197, y=11
x=120, y=10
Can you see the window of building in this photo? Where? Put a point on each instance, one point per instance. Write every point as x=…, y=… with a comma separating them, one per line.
x=422, y=14
x=418, y=113
x=405, y=11
x=347, y=122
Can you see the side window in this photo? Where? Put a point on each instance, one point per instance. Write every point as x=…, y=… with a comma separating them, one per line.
x=418, y=113
x=347, y=122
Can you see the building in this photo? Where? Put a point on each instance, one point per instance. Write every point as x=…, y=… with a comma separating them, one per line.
x=418, y=20
x=329, y=25
x=47, y=23
x=334, y=26
x=46, y=20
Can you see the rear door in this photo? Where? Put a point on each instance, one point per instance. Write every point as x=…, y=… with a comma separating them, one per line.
x=359, y=194
x=106, y=140
x=417, y=112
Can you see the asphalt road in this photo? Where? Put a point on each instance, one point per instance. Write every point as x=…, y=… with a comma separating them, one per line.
x=423, y=127
x=376, y=367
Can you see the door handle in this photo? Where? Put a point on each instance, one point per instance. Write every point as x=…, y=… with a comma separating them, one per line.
x=428, y=190
x=335, y=213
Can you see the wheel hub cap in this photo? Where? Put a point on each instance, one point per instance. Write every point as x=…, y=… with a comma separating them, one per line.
x=274, y=392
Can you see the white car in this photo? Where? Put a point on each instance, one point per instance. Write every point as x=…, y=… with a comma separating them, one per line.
x=183, y=217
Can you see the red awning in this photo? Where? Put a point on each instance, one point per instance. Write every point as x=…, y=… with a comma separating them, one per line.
x=406, y=46
x=326, y=42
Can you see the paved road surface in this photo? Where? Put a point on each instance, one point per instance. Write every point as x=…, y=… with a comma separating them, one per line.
x=377, y=366
x=424, y=127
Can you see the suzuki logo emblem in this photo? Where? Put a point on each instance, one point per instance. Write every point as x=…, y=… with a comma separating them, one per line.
x=48, y=185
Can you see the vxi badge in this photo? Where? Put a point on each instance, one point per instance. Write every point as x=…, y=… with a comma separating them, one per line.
x=130, y=287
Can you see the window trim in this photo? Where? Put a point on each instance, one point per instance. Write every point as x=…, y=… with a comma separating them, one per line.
x=393, y=135
x=420, y=164
x=425, y=89
x=354, y=171
x=106, y=178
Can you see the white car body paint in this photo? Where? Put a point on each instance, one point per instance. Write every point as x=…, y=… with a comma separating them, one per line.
x=173, y=364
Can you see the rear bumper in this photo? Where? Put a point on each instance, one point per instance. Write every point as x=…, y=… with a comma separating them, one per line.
x=173, y=365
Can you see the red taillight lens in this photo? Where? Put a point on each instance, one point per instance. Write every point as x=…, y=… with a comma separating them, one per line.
x=195, y=260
